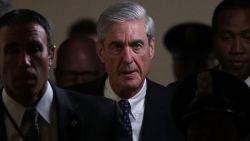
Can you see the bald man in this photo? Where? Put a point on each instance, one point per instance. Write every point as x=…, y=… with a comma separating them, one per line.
x=77, y=62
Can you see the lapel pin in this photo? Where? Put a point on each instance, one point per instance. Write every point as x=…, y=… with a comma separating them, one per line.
x=74, y=123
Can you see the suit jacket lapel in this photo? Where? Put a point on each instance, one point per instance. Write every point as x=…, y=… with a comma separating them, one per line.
x=155, y=113
x=69, y=124
x=148, y=113
x=2, y=124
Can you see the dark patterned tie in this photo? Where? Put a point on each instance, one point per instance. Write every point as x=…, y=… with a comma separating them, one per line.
x=125, y=108
x=34, y=130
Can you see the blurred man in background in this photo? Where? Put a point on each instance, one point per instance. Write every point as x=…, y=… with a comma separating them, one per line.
x=190, y=45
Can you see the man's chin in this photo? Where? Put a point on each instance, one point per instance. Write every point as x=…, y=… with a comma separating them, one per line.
x=130, y=76
x=24, y=92
x=26, y=83
x=27, y=86
x=131, y=83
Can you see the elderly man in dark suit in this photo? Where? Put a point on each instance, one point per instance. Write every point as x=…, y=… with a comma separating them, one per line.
x=32, y=108
x=126, y=46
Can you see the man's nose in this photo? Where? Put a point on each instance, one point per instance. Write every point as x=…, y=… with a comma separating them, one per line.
x=24, y=59
x=80, y=79
x=237, y=46
x=127, y=55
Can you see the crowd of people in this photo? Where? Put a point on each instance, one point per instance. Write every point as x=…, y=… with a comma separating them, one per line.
x=101, y=90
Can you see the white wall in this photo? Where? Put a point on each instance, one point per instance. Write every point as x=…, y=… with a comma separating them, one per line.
x=166, y=13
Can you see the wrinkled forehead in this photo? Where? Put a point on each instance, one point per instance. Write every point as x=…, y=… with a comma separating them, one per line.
x=132, y=28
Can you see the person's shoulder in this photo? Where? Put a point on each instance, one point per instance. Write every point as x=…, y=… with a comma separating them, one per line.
x=158, y=87
x=92, y=88
x=96, y=107
x=82, y=99
x=154, y=85
x=89, y=99
x=162, y=94
x=158, y=90
x=173, y=85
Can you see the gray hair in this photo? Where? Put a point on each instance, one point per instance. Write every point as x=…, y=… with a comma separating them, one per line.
x=121, y=12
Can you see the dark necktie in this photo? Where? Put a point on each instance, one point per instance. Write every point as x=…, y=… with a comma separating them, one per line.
x=34, y=129
x=125, y=108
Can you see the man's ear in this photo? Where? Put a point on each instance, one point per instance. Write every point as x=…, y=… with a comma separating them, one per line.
x=152, y=47
x=51, y=54
x=100, y=50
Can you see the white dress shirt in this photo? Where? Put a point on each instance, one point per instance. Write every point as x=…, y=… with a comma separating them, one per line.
x=137, y=106
x=247, y=81
x=45, y=108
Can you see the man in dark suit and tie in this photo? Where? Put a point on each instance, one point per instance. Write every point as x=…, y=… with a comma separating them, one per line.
x=126, y=46
x=26, y=54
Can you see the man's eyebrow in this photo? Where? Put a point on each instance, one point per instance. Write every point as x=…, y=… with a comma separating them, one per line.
x=116, y=43
x=137, y=41
x=11, y=44
x=130, y=43
x=246, y=30
x=224, y=31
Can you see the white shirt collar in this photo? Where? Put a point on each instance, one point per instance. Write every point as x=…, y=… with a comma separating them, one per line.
x=45, y=104
x=17, y=110
x=135, y=101
x=247, y=81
